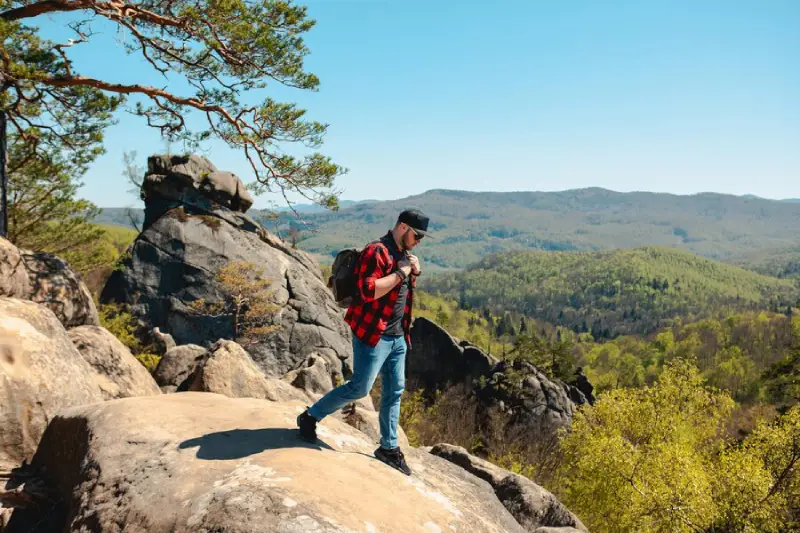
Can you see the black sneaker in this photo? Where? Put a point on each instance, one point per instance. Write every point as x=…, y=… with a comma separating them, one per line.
x=308, y=426
x=393, y=458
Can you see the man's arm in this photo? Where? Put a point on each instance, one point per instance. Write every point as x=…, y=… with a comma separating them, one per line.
x=372, y=284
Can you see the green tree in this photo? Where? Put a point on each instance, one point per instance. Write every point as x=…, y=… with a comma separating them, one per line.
x=246, y=301
x=53, y=135
x=220, y=49
x=653, y=459
x=45, y=214
x=638, y=460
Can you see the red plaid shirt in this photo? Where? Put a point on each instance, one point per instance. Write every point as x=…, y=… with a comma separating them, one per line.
x=368, y=316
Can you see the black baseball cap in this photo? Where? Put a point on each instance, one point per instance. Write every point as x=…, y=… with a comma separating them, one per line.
x=415, y=219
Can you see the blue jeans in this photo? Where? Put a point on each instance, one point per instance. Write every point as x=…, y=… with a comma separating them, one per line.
x=389, y=358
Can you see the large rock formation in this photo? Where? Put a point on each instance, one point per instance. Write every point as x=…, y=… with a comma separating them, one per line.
x=195, y=225
x=41, y=372
x=199, y=462
x=48, y=280
x=437, y=361
x=117, y=372
x=533, y=506
x=539, y=405
x=190, y=180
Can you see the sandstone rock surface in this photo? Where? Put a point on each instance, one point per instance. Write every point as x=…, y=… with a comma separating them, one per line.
x=532, y=506
x=41, y=373
x=117, y=372
x=198, y=462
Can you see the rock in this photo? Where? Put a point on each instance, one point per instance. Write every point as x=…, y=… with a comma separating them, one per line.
x=539, y=405
x=313, y=376
x=228, y=369
x=367, y=422
x=437, y=360
x=13, y=276
x=163, y=341
x=41, y=373
x=117, y=372
x=196, y=462
x=54, y=284
x=175, y=259
x=177, y=364
x=190, y=180
x=531, y=505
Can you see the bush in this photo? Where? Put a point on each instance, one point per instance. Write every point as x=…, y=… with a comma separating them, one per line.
x=123, y=326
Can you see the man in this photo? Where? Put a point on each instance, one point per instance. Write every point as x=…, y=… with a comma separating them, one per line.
x=380, y=319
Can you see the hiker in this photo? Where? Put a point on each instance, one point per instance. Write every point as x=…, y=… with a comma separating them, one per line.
x=380, y=319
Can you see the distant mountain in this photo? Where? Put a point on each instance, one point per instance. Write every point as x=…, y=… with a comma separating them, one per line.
x=469, y=225
x=119, y=216
x=614, y=292
x=788, y=200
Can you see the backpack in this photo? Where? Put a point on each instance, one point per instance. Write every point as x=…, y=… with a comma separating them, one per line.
x=343, y=279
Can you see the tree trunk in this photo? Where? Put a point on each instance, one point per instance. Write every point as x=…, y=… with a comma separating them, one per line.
x=3, y=178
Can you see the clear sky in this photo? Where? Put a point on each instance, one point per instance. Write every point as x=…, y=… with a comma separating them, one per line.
x=668, y=96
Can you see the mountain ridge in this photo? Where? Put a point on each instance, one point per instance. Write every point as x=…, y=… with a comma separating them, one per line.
x=468, y=225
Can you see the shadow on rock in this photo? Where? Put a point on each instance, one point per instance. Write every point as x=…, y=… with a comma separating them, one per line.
x=239, y=443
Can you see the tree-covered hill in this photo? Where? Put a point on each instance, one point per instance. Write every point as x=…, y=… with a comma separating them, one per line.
x=470, y=225
x=781, y=263
x=613, y=292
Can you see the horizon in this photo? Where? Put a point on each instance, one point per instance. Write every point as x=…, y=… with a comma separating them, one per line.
x=671, y=97
x=368, y=200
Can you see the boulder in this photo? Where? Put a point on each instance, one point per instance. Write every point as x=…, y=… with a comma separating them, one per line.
x=367, y=421
x=190, y=180
x=162, y=341
x=48, y=280
x=175, y=260
x=177, y=364
x=54, y=284
x=228, y=369
x=13, y=276
x=41, y=373
x=198, y=462
x=532, y=506
x=437, y=360
x=313, y=376
x=117, y=372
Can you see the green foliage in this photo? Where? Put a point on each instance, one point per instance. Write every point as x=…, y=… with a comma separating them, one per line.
x=554, y=359
x=611, y=293
x=246, y=301
x=652, y=459
x=779, y=263
x=123, y=325
x=221, y=50
x=750, y=355
x=112, y=246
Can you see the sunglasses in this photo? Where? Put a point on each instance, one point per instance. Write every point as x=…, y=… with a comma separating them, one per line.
x=417, y=236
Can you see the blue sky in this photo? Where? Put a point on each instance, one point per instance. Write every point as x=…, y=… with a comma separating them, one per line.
x=668, y=96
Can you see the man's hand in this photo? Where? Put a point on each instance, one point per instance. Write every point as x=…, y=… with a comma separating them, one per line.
x=414, y=262
x=405, y=265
